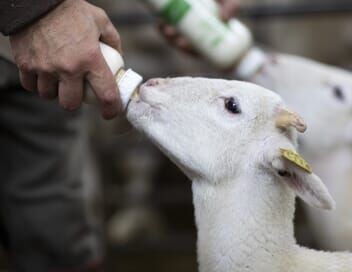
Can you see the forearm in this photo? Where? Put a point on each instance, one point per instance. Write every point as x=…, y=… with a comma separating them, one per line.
x=16, y=14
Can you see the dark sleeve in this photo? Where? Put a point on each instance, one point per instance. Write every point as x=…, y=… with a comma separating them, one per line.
x=16, y=14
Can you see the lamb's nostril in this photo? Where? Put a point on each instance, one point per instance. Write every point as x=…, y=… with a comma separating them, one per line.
x=154, y=82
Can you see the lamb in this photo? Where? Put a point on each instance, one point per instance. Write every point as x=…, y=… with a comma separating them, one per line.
x=323, y=95
x=230, y=139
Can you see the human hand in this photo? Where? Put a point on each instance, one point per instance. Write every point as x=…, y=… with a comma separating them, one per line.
x=227, y=9
x=61, y=50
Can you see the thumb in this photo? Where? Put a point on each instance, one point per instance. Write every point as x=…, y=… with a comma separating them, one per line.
x=104, y=87
x=110, y=36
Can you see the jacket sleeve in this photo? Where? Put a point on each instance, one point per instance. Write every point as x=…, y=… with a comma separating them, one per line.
x=16, y=14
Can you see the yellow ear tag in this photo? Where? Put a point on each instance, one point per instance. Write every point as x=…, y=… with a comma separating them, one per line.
x=295, y=158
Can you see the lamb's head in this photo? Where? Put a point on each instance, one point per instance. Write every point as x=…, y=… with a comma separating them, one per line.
x=216, y=130
x=321, y=93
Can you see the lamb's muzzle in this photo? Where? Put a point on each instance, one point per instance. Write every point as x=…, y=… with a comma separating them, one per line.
x=286, y=119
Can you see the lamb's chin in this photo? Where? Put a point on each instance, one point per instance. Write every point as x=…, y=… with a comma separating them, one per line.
x=139, y=113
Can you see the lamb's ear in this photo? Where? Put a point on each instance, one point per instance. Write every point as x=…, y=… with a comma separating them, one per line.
x=297, y=174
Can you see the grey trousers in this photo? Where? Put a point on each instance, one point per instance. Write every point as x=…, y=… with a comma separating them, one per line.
x=45, y=210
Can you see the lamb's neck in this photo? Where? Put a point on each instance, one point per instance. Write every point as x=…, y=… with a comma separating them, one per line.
x=243, y=223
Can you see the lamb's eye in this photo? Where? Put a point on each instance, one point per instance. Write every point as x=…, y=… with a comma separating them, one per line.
x=283, y=173
x=232, y=106
x=338, y=93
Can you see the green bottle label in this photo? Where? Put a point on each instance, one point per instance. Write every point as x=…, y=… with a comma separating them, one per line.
x=175, y=10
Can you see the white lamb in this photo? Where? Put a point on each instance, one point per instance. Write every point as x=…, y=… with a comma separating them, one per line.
x=226, y=136
x=323, y=96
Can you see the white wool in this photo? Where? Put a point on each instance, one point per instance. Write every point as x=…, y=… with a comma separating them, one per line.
x=244, y=209
x=310, y=87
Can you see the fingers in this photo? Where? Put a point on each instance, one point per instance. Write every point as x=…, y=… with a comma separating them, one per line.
x=71, y=93
x=69, y=87
x=175, y=39
x=168, y=31
x=184, y=45
x=45, y=83
x=105, y=88
x=47, y=86
x=228, y=8
x=99, y=75
x=28, y=80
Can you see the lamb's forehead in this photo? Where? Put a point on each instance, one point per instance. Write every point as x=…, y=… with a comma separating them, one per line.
x=317, y=71
x=210, y=88
x=337, y=75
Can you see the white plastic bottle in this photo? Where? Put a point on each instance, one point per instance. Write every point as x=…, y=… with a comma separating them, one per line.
x=127, y=81
x=223, y=44
x=252, y=60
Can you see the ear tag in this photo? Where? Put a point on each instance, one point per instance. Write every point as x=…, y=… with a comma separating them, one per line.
x=295, y=158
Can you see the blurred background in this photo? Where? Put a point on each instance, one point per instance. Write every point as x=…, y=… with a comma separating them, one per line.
x=145, y=200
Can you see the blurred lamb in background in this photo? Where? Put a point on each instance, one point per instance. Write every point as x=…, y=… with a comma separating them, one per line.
x=323, y=95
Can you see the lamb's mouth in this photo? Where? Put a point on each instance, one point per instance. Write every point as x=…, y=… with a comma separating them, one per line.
x=138, y=97
x=135, y=93
x=140, y=108
x=134, y=97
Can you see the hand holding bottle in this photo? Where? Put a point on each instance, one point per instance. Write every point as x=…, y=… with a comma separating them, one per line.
x=60, y=51
x=226, y=9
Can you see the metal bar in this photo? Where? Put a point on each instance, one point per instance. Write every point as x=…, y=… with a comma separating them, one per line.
x=296, y=10
x=258, y=12
x=132, y=18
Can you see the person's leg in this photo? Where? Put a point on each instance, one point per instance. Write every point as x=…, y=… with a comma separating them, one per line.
x=43, y=170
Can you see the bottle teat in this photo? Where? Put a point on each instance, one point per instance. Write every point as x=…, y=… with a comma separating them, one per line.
x=127, y=80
